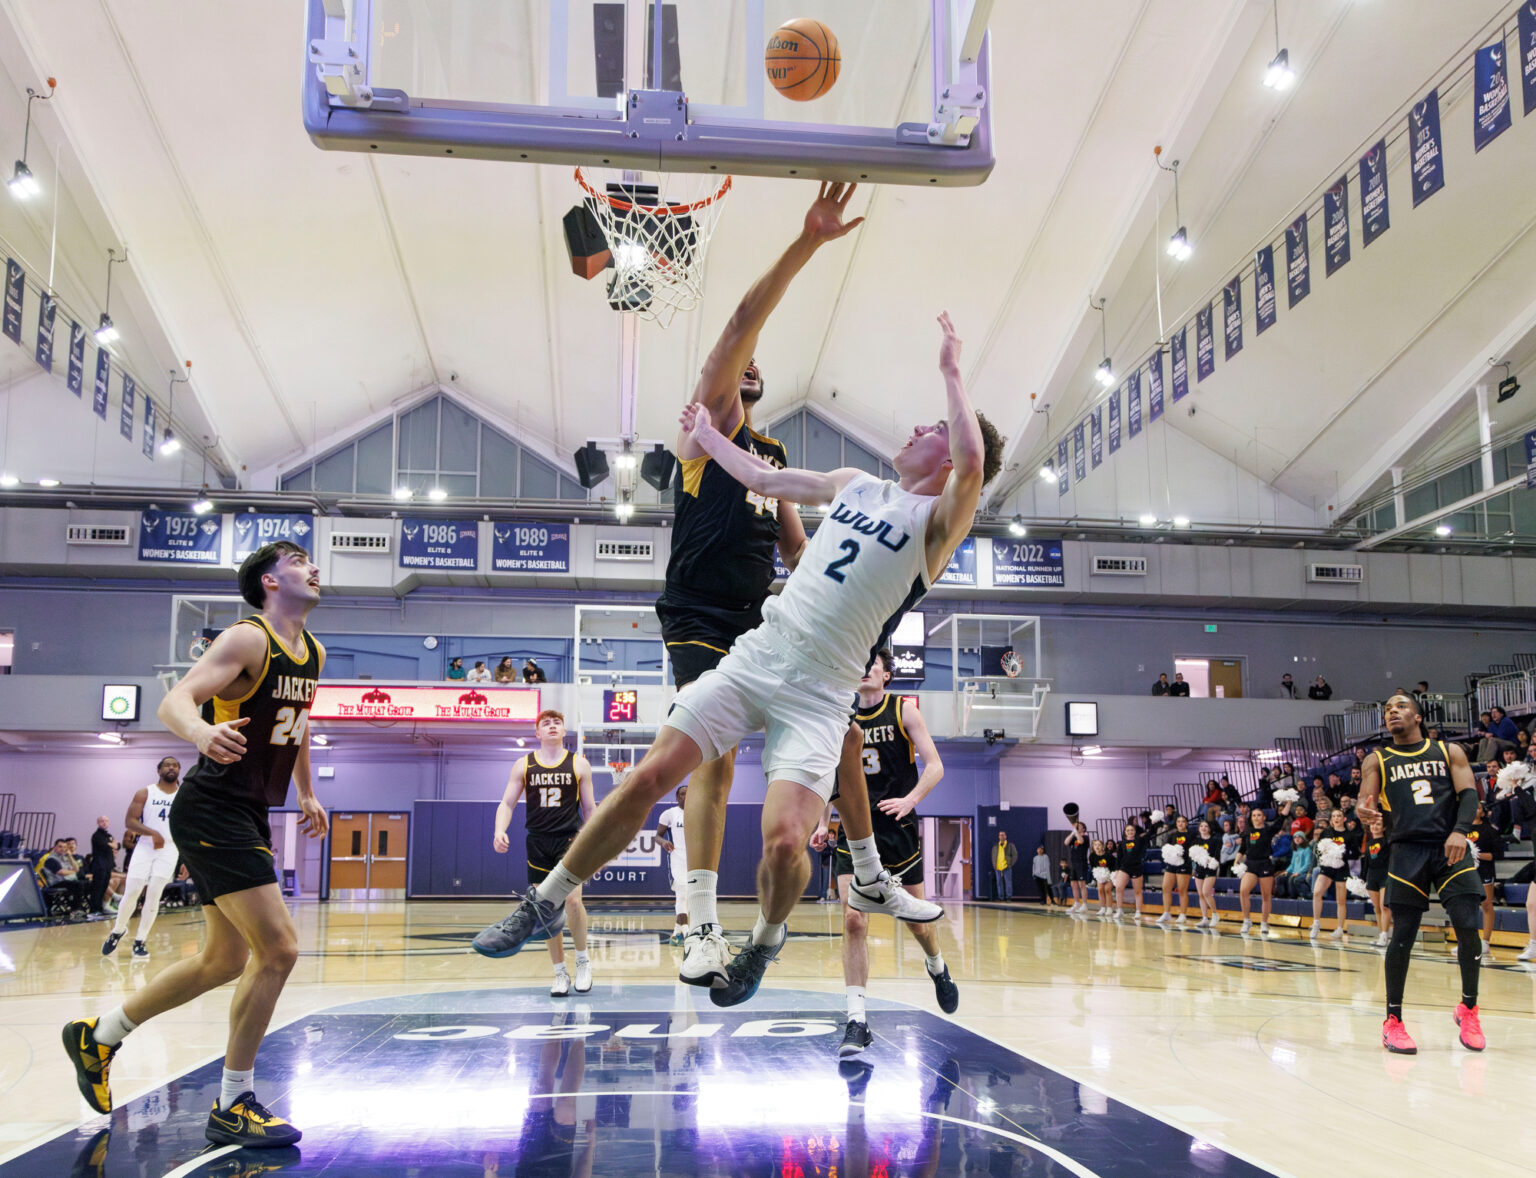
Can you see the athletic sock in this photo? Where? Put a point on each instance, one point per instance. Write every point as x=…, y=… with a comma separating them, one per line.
x=1395, y=1010
x=113, y=1027
x=856, y=1004
x=582, y=958
x=701, y=899
x=558, y=885
x=764, y=933
x=560, y=969
x=234, y=1085
x=935, y=965
x=866, y=860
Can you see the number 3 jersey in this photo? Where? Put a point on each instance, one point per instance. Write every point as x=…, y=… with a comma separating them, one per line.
x=861, y=571
x=277, y=709
x=1418, y=796
x=890, y=758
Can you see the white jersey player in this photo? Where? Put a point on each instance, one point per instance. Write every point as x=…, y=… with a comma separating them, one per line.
x=669, y=833
x=154, y=858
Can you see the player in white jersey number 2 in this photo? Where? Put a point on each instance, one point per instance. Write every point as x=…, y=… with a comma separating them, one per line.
x=872, y=558
x=154, y=857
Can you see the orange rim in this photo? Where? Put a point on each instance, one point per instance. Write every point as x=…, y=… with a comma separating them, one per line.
x=624, y=206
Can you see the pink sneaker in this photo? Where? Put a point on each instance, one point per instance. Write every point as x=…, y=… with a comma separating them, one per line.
x=1471, y=1028
x=1394, y=1036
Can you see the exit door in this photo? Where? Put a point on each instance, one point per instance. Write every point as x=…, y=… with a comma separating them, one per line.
x=368, y=855
x=947, y=857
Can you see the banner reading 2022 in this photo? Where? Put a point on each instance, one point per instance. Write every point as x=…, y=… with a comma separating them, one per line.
x=1027, y=564
x=446, y=544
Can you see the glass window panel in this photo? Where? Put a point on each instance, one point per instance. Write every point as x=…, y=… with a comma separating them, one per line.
x=458, y=486
x=788, y=431
x=1459, y=483
x=460, y=449
x=540, y=479
x=1465, y=523
x=571, y=489
x=1501, y=464
x=333, y=473
x=298, y=480
x=498, y=465
x=823, y=445
x=855, y=455
x=1385, y=517
x=375, y=466
x=1522, y=506
x=1421, y=501
x=887, y=471
x=419, y=482
x=418, y=437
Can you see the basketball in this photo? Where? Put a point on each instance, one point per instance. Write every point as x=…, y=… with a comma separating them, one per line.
x=802, y=59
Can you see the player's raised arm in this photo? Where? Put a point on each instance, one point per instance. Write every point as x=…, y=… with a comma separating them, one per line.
x=237, y=655
x=752, y=472
x=955, y=511
x=508, y=803
x=791, y=535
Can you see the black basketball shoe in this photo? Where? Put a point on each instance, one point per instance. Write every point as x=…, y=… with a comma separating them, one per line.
x=93, y=1062
x=247, y=1123
x=855, y=1039
x=109, y=946
x=745, y=973
x=946, y=991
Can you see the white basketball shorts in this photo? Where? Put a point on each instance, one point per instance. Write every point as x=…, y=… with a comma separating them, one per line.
x=148, y=863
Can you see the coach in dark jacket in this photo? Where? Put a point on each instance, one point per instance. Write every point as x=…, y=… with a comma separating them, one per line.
x=103, y=854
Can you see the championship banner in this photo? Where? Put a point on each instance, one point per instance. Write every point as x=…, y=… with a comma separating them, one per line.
x=1079, y=455
x=535, y=548
x=1180, y=366
x=76, y=378
x=1155, y=386
x=179, y=537
x=961, y=569
x=125, y=417
x=46, y=308
x=1133, y=401
x=1336, y=227
x=1426, y=161
x=255, y=530
x=1526, y=39
x=149, y=428
x=1530, y=459
x=444, y=703
x=1374, y=217
x=1298, y=261
x=1264, y=289
x=1063, y=476
x=1114, y=421
x=1096, y=436
x=15, y=288
x=1232, y=315
x=1027, y=564
x=1490, y=93
x=439, y=544
x=1205, y=344
x=99, y=389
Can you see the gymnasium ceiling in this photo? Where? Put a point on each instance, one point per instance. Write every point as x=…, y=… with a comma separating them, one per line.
x=314, y=289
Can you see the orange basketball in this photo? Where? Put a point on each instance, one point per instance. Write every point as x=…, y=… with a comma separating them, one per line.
x=802, y=59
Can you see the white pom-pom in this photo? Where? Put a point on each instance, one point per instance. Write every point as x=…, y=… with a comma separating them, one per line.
x=1239, y=870
x=1157, y=816
x=1201, y=857
x=1330, y=852
x=1515, y=775
x=1355, y=886
x=1286, y=795
x=1173, y=854
x=1101, y=875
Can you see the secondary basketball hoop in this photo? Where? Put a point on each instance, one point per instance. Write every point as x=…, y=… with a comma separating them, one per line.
x=657, y=243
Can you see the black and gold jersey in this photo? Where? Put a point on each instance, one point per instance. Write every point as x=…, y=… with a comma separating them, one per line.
x=890, y=758
x=554, y=795
x=277, y=707
x=722, y=533
x=1417, y=794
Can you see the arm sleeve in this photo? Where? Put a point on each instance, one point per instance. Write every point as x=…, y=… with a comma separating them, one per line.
x=1466, y=810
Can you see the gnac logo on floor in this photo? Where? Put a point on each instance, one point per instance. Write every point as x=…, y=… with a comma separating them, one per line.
x=1263, y=964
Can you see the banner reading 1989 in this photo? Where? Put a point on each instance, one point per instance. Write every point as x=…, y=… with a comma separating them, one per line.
x=439, y=544
x=535, y=548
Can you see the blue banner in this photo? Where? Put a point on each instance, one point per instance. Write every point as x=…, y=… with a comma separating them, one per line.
x=46, y=308
x=1096, y=436
x=439, y=544
x=1205, y=342
x=256, y=529
x=962, y=565
x=1079, y=453
x=1063, y=475
x=1133, y=402
x=1526, y=39
x=1029, y=564
x=149, y=428
x=1155, y=385
x=1374, y=217
x=538, y=548
x=1264, y=289
x=76, y=378
x=1425, y=159
x=1232, y=315
x=15, y=290
x=1114, y=421
x=1298, y=261
x=1180, y=365
x=1490, y=94
x=1336, y=226
x=1530, y=459
x=125, y=417
x=179, y=537
x=99, y=389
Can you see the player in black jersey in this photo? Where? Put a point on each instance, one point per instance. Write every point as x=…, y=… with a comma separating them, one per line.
x=1255, y=853
x=892, y=736
x=558, y=785
x=259, y=677
x=1426, y=790
x=1077, y=846
x=1132, y=869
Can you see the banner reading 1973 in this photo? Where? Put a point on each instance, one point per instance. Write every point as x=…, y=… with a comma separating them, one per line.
x=180, y=537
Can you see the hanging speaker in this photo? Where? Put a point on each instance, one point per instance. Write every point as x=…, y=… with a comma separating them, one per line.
x=658, y=467
x=591, y=465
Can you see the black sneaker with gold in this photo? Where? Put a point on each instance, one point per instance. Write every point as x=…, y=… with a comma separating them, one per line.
x=247, y=1123
x=92, y=1061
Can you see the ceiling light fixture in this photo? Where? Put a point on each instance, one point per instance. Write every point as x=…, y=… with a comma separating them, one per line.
x=110, y=737
x=437, y=494
x=106, y=333
x=203, y=506
x=23, y=184
x=8, y=480
x=1442, y=529
x=1091, y=750
x=403, y=493
x=1181, y=521
x=319, y=738
x=1016, y=526
x=1279, y=75
x=1048, y=472
x=1105, y=374
x=1179, y=248
x=623, y=508
x=171, y=443
x=47, y=482
x=1148, y=520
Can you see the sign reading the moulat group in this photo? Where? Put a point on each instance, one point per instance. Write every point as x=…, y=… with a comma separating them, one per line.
x=439, y=544
x=179, y=537
x=1027, y=564
x=15, y=285
x=531, y=548
x=388, y=701
x=908, y=663
x=962, y=564
x=1530, y=459
x=255, y=530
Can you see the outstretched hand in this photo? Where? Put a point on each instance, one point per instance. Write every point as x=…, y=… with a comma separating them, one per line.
x=949, y=348
x=824, y=219
x=696, y=423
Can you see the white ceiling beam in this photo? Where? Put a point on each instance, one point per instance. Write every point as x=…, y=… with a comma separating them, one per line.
x=1450, y=509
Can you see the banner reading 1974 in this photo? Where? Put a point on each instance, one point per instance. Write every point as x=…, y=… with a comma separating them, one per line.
x=255, y=530
x=1426, y=163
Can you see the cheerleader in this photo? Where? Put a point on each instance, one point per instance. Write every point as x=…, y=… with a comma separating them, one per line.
x=1077, y=844
x=1335, y=873
x=1374, y=865
x=1205, y=876
x=1133, y=855
x=1101, y=863
x=1486, y=846
x=1258, y=865
x=1176, y=874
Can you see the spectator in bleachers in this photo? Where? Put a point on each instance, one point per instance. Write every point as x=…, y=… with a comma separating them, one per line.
x=1063, y=887
x=533, y=673
x=1501, y=735
x=1230, y=794
x=1040, y=871
x=455, y=670
x=1300, y=822
x=1335, y=787
x=505, y=671
x=1320, y=689
x=1178, y=688
x=1162, y=685
x=1212, y=793
x=1295, y=879
x=479, y=673
x=1356, y=780
x=1230, y=841
x=60, y=870
x=1287, y=687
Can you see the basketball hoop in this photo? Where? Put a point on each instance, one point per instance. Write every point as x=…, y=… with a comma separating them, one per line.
x=620, y=770
x=657, y=244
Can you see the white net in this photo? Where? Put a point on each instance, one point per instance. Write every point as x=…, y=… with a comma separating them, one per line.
x=658, y=228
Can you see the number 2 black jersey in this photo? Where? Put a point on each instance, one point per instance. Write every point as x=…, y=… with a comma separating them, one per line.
x=553, y=795
x=1417, y=794
x=278, y=710
x=890, y=760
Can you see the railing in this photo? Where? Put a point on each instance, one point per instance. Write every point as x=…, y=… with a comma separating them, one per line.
x=35, y=828
x=1362, y=721
x=1514, y=693
x=7, y=809
x=1446, y=711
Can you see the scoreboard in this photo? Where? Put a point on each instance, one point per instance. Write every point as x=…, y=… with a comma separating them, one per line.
x=621, y=706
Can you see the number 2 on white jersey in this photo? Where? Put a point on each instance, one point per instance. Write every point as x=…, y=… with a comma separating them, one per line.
x=291, y=725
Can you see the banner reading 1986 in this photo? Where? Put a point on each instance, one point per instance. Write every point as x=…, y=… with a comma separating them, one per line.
x=439, y=544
